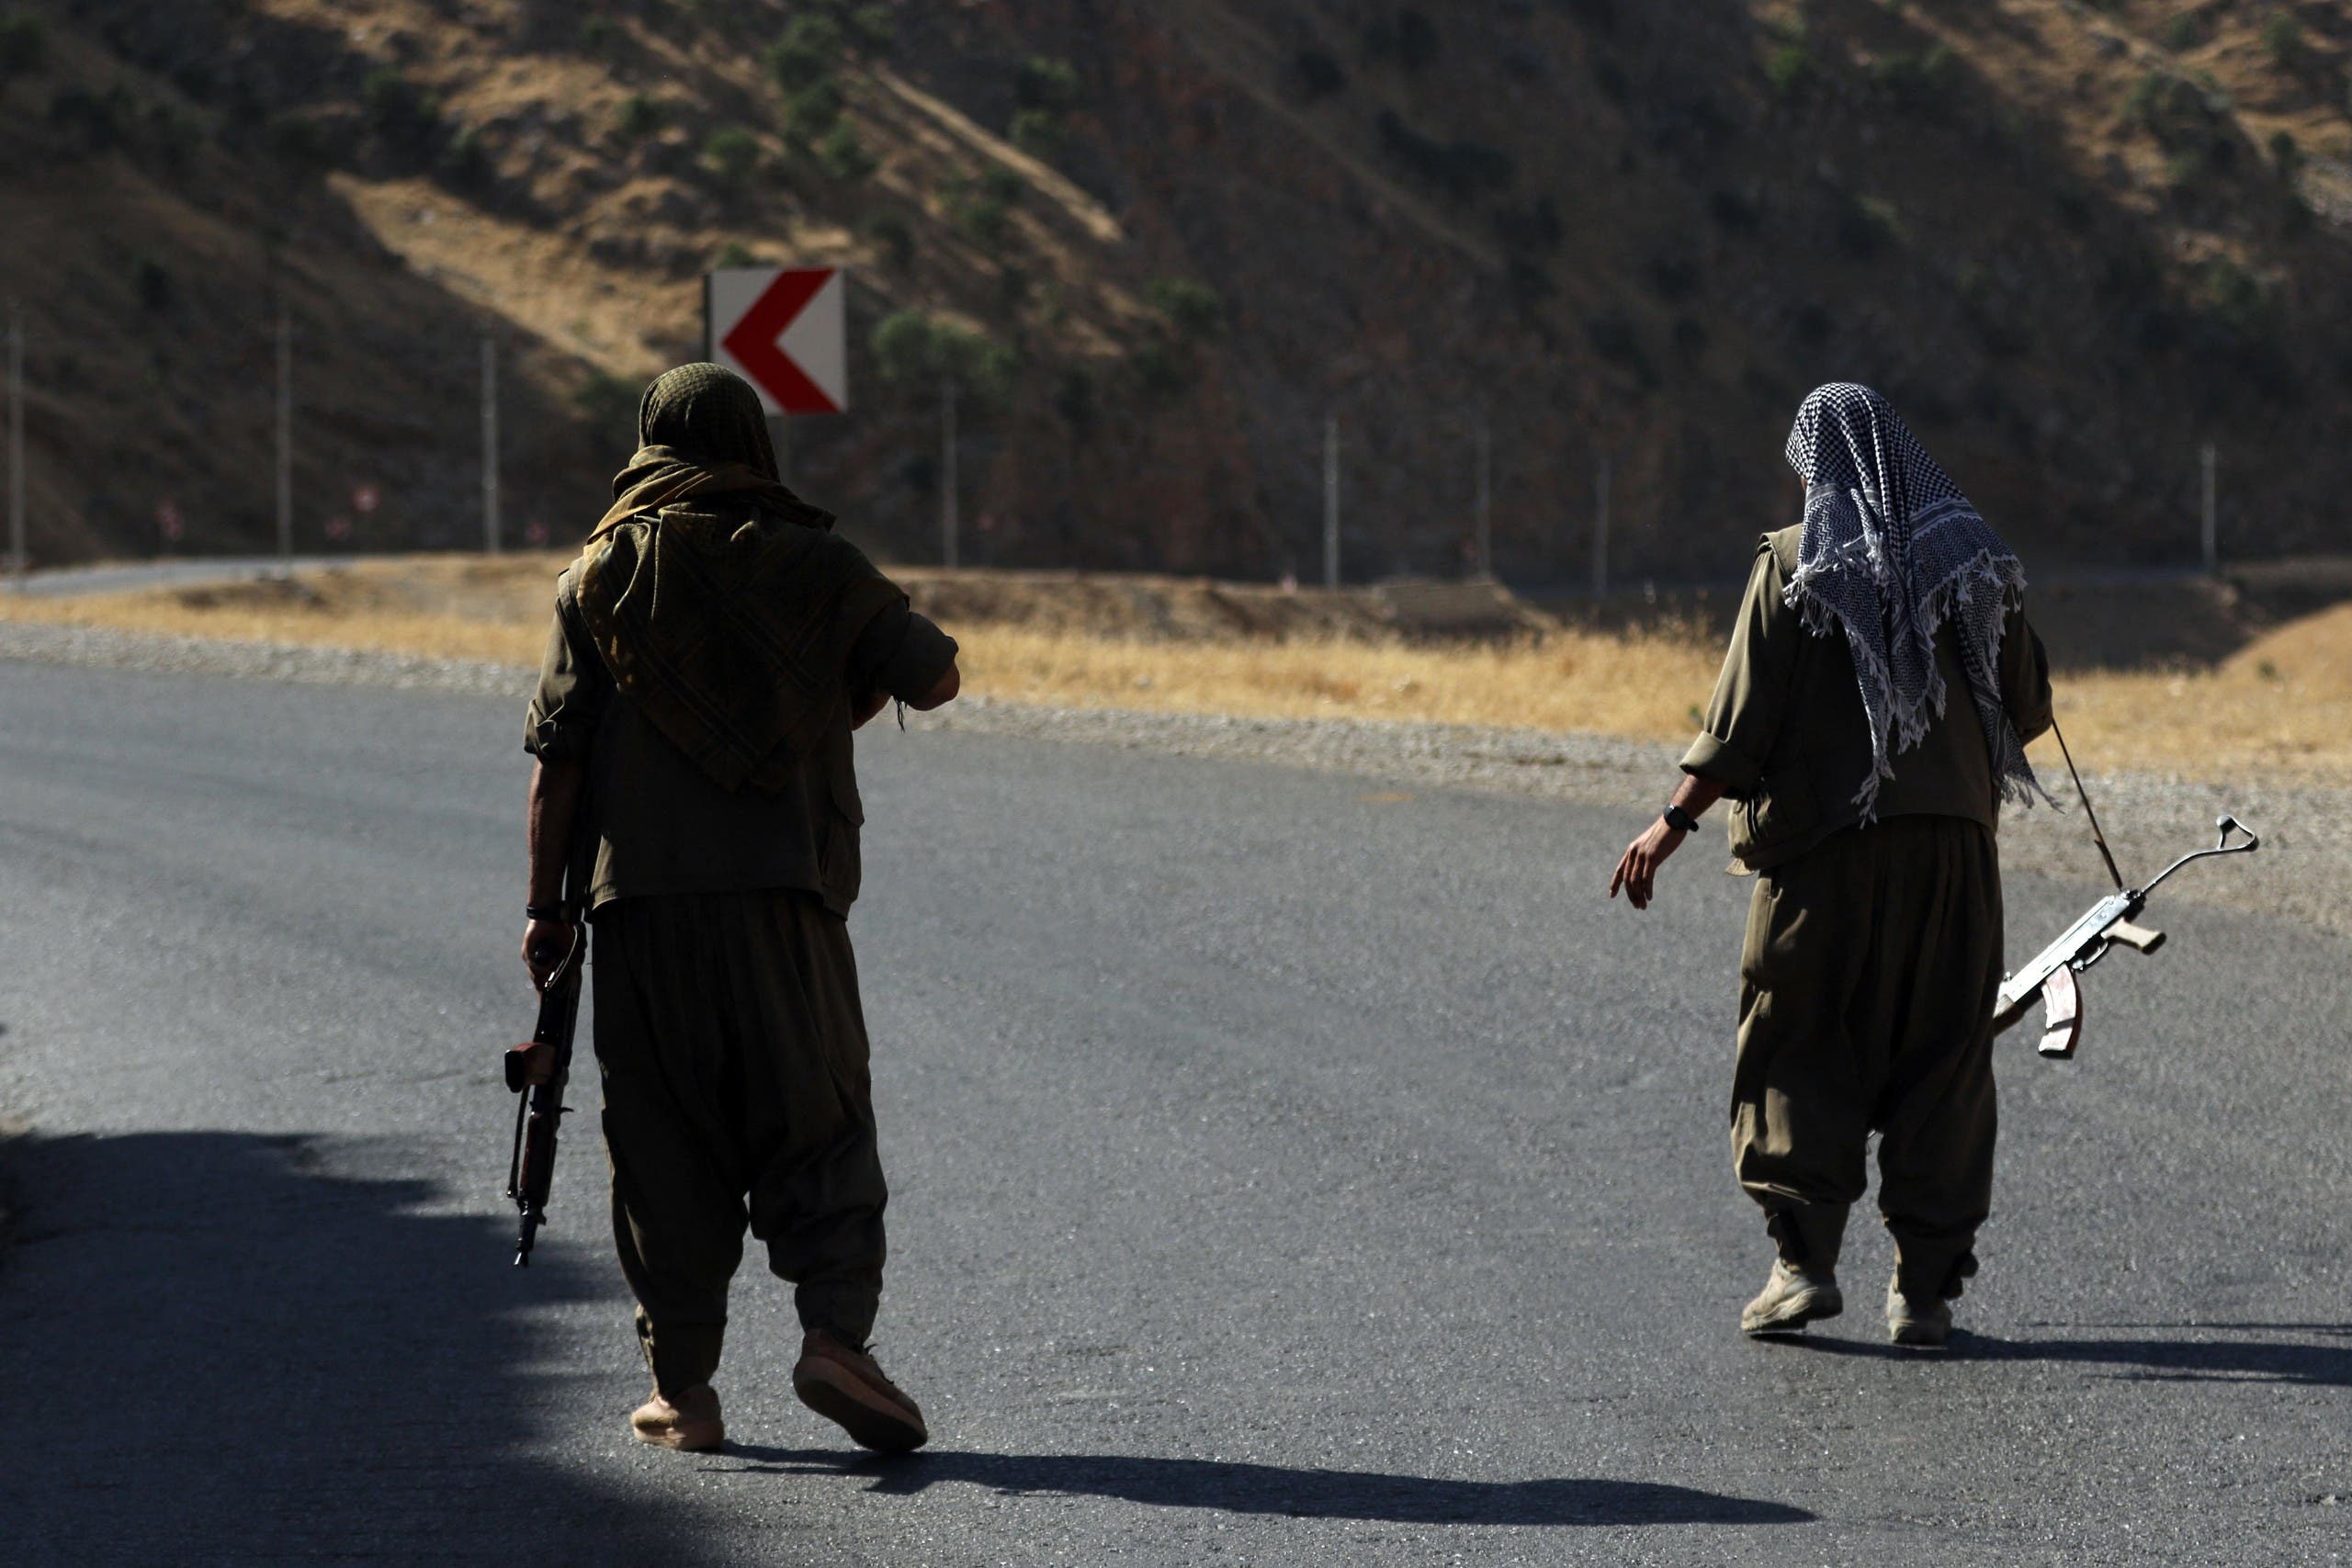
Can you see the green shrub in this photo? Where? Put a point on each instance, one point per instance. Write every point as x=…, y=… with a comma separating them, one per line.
x=2182, y=33
x=1927, y=83
x=911, y=350
x=393, y=105
x=2283, y=37
x=983, y=218
x=2287, y=153
x=152, y=282
x=1461, y=169
x=1040, y=132
x=812, y=112
x=1193, y=309
x=24, y=44
x=1046, y=83
x=890, y=230
x=598, y=34
x=607, y=404
x=640, y=116
x=809, y=52
x=732, y=153
x=873, y=26
x=1159, y=371
x=844, y=157
x=733, y=254
x=1789, y=69
x=1411, y=39
x=1005, y=186
x=1318, y=74
x=465, y=160
x=1867, y=225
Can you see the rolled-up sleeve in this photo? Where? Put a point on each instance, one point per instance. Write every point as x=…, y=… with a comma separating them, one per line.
x=574, y=689
x=1743, y=719
x=900, y=654
x=2025, y=676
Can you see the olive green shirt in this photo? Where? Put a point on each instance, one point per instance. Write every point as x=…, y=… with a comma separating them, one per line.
x=663, y=825
x=1786, y=736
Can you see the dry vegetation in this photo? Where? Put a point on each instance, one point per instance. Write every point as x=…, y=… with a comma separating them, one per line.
x=2282, y=704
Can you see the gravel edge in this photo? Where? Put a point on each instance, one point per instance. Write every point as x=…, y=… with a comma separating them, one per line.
x=2303, y=874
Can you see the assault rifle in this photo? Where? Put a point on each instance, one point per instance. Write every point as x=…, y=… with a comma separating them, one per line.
x=2052, y=974
x=539, y=1072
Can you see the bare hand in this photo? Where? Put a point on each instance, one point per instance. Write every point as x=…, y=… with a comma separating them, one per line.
x=545, y=944
x=1637, y=870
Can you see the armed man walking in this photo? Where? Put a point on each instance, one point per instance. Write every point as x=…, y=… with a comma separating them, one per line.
x=1870, y=717
x=712, y=650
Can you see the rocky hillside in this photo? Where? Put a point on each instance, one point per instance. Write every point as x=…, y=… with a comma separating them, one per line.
x=1156, y=243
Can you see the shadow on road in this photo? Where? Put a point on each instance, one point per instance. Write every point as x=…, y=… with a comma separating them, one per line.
x=1290, y=1494
x=2185, y=1360
x=217, y=1350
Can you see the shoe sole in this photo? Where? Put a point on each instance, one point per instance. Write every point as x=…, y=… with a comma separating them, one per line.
x=842, y=1400
x=701, y=1438
x=1804, y=1307
x=1918, y=1337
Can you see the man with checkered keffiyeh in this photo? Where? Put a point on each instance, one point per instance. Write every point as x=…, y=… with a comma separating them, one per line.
x=1865, y=800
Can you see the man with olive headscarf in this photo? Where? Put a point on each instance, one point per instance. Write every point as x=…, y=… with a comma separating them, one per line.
x=1866, y=799
x=712, y=650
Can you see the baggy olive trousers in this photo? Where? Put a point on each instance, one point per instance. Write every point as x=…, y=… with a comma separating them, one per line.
x=1866, y=1006
x=736, y=1088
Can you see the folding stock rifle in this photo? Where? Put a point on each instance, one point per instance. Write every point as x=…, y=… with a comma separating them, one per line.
x=539, y=1072
x=2052, y=974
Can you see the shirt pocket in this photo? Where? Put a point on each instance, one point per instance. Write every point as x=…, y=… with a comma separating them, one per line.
x=1779, y=811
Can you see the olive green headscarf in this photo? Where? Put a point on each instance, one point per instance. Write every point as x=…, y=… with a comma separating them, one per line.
x=722, y=601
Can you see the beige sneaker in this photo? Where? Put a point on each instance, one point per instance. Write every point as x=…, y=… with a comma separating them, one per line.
x=692, y=1423
x=1909, y=1323
x=1791, y=1298
x=843, y=1383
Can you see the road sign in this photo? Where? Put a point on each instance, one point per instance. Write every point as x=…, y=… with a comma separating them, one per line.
x=785, y=331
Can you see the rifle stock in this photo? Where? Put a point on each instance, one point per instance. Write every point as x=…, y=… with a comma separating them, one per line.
x=2110, y=921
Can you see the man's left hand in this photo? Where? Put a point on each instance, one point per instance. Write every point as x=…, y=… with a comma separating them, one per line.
x=1637, y=870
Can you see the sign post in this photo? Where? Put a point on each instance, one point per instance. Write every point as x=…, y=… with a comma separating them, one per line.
x=285, y=440
x=1331, y=500
x=16, y=444
x=783, y=330
x=489, y=529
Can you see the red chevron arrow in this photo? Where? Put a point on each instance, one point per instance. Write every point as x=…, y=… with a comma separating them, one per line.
x=754, y=342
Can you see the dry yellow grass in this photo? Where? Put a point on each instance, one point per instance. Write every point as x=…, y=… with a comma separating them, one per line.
x=2283, y=705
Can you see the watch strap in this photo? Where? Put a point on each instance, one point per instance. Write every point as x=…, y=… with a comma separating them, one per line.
x=1682, y=821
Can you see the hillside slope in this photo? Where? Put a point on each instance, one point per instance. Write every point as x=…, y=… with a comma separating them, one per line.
x=1157, y=243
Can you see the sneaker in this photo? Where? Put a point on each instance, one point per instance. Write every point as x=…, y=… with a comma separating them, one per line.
x=1791, y=1298
x=1908, y=1323
x=690, y=1423
x=840, y=1381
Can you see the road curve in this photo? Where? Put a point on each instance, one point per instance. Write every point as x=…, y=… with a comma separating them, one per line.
x=1288, y=1168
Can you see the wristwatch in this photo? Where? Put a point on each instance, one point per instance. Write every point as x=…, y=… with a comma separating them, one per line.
x=1682, y=821
x=543, y=911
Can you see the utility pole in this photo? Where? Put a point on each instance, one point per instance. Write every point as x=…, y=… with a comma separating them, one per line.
x=1486, y=510
x=947, y=485
x=284, y=439
x=2212, y=528
x=1600, y=529
x=1331, y=501
x=16, y=444
x=489, y=529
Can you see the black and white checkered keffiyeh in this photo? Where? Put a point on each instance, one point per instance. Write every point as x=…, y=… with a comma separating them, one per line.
x=1891, y=551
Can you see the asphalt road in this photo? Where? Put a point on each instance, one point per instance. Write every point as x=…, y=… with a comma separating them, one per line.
x=1284, y=1171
